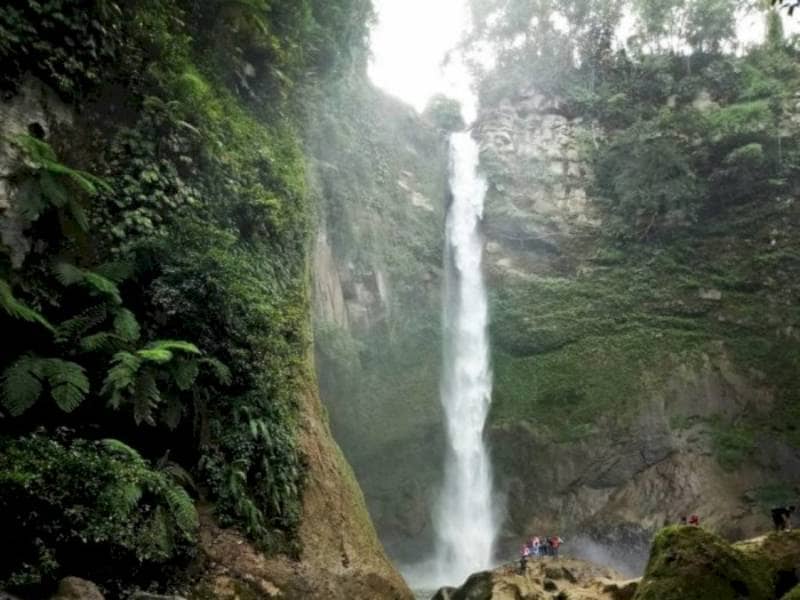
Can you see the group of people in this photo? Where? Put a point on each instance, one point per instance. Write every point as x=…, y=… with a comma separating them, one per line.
x=536, y=547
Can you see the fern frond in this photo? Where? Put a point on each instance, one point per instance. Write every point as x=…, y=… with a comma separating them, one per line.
x=115, y=445
x=126, y=326
x=117, y=271
x=22, y=384
x=44, y=157
x=220, y=370
x=68, y=275
x=182, y=508
x=172, y=412
x=17, y=309
x=185, y=374
x=69, y=384
x=53, y=190
x=78, y=215
x=180, y=345
x=84, y=321
x=104, y=341
x=176, y=473
x=156, y=355
x=162, y=351
x=146, y=399
x=121, y=376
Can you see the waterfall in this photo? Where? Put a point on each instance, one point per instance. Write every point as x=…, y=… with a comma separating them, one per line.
x=465, y=523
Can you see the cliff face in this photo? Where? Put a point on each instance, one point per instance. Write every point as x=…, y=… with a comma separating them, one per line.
x=380, y=171
x=622, y=397
x=636, y=377
x=152, y=160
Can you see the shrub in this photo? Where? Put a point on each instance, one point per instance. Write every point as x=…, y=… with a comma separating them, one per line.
x=88, y=508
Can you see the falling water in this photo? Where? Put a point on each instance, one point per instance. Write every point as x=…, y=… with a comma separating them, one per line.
x=465, y=523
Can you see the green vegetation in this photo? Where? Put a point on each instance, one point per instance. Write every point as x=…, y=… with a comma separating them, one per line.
x=688, y=563
x=72, y=505
x=156, y=287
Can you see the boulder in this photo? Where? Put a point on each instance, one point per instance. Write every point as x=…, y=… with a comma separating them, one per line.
x=689, y=563
x=74, y=588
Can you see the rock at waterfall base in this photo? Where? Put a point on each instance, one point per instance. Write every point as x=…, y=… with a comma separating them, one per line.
x=544, y=579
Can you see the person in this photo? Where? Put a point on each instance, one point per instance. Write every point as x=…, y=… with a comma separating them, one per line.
x=781, y=517
x=694, y=521
x=555, y=544
x=683, y=520
x=535, y=546
x=523, y=558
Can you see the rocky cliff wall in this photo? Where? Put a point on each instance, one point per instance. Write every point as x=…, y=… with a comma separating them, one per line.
x=623, y=398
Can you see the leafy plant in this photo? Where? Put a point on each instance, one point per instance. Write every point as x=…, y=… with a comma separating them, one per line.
x=47, y=184
x=153, y=377
x=26, y=379
x=67, y=501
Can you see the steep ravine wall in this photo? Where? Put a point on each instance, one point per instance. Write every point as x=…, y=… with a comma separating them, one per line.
x=627, y=390
x=610, y=418
x=381, y=172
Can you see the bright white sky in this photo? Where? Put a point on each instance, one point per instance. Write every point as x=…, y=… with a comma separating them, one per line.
x=409, y=44
x=412, y=37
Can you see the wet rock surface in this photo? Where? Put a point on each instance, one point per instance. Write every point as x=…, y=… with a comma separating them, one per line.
x=544, y=579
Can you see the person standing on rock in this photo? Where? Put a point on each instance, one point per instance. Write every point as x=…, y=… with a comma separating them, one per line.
x=555, y=544
x=782, y=517
x=523, y=558
x=535, y=546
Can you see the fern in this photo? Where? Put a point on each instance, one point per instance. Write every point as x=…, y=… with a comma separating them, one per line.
x=17, y=309
x=23, y=383
x=146, y=397
x=103, y=341
x=220, y=370
x=69, y=275
x=126, y=326
x=43, y=157
x=122, y=448
x=81, y=323
x=117, y=271
x=121, y=376
x=185, y=374
x=182, y=509
x=68, y=383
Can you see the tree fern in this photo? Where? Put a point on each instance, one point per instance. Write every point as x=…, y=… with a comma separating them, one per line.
x=121, y=376
x=115, y=445
x=68, y=275
x=80, y=324
x=68, y=383
x=17, y=309
x=185, y=374
x=23, y=383
x=221, y=372
x=146, y=398
x=42, y=156
x=126, y=326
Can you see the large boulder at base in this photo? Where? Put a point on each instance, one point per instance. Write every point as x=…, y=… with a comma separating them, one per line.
x=782, y=549
x=74, y=588
x=689, y=563
x=544, y=579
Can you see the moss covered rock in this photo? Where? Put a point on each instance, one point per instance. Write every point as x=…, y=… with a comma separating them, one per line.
x=689, y=563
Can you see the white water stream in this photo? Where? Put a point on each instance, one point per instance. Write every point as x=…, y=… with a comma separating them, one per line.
x=465, y=522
